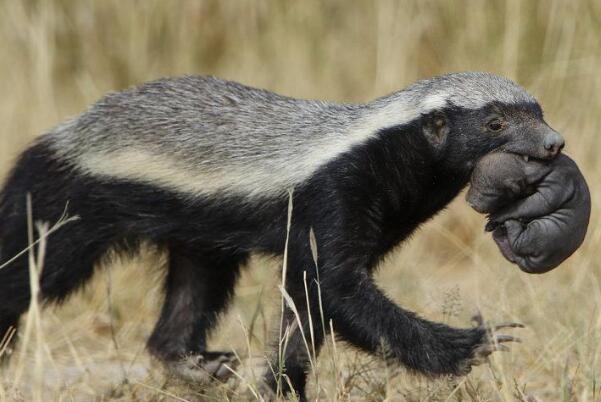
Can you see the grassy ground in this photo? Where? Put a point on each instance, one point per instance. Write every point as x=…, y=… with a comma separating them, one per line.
x=56, y=57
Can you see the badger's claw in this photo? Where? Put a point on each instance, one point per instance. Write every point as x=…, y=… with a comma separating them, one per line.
x=505, y=338
x=492, y=341
x=204, y=367
x=508, y=325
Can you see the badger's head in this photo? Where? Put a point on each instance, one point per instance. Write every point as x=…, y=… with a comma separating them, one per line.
x=465, y=116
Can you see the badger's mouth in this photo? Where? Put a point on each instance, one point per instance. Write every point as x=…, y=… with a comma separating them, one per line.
x=526, y=157
x=530, y=154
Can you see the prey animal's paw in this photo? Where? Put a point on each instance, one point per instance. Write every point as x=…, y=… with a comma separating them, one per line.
x=492, y=340
x=491, y=225
x=204, y=367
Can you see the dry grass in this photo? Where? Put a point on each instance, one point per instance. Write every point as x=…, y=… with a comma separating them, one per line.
x=56, y=57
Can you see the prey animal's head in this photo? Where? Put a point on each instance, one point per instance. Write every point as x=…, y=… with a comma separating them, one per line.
x=500, y=178
x=465, y=116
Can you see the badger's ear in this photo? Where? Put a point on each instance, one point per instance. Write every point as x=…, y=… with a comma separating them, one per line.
x=436, y=129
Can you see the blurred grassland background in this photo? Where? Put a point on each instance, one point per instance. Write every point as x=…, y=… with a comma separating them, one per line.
x=57, y=57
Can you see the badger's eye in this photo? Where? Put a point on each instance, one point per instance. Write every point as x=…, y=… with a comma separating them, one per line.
x=495, y=124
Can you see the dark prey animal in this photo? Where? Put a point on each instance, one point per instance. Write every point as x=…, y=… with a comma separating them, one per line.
x=203, y=168
x=539, y=210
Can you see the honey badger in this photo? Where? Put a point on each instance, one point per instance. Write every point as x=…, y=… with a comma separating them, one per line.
x=204, y=168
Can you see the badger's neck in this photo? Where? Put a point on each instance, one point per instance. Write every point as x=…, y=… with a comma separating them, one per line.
x=392, y=178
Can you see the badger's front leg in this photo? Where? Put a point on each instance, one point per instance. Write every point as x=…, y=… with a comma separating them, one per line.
x=365, y=317
x=302, y=330
x=362, y=315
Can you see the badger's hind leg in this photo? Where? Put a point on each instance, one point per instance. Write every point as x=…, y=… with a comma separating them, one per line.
x=198, y=286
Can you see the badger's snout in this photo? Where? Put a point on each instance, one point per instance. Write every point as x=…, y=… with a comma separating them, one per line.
x=553, y=143
x=538, y=141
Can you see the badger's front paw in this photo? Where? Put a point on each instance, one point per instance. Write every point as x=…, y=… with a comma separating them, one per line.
x=203, y=367
x=490, y=342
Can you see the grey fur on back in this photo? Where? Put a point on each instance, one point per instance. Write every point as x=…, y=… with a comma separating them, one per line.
x=202, y=135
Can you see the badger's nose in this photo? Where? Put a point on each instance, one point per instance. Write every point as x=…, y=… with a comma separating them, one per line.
x=554, y=143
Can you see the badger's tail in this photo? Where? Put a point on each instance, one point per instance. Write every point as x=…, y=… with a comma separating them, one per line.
x=14, y=275
x=42, y=187
x=43, y=184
